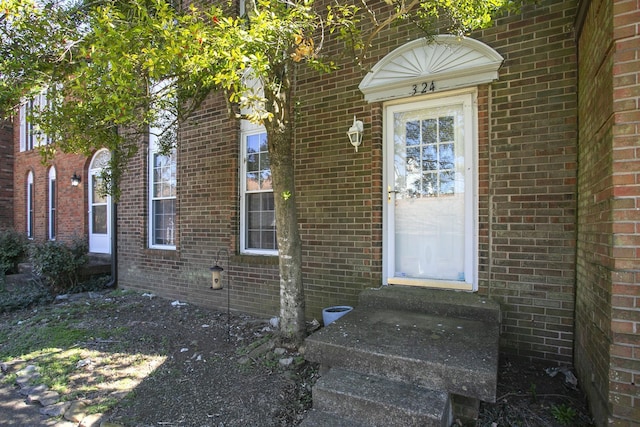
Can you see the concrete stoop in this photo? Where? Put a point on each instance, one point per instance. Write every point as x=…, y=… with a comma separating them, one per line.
x=378, y=401
x=97, y=264
x=397, y=358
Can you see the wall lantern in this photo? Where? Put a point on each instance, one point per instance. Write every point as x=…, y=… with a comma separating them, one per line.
x=355, y=133
x=75, y=180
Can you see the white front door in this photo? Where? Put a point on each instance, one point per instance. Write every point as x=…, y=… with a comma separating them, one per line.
x=430, y=208
x=99, y=206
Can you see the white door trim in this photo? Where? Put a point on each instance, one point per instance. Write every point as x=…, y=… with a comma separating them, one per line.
x=469, y=99
x=100, y=242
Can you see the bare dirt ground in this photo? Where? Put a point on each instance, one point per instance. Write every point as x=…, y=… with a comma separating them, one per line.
x=535, y=394
x=148, y=361
x=141, y=360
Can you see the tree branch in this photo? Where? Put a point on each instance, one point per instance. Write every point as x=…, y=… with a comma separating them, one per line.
x=402, y=10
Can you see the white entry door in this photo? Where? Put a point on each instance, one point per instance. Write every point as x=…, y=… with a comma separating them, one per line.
x=430, y=213
x=99, y=206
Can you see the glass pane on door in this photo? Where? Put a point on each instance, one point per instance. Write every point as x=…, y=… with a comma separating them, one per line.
x=99, y=207
x=97, y=190
x=429, y=186
x=99, y=219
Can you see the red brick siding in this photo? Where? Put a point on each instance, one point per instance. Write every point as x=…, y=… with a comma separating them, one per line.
x=6, y=175
x=530, y=193
x=527, y=170
x=208, y=222
x=608, y=295
x=71, y=201
x=527, y=161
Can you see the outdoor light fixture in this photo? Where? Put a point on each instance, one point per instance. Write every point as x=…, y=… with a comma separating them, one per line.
x=75, y=180
x=355, y=133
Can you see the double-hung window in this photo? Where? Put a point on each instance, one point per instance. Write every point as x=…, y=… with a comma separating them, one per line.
x=258, y=219
x=163, y=170
x=162, y=197
x=30, y=135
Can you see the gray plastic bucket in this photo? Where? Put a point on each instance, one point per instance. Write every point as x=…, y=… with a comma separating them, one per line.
x=331, y=314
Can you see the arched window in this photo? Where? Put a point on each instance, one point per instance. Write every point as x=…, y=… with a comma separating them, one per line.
x=30, y=199
x=52, y=204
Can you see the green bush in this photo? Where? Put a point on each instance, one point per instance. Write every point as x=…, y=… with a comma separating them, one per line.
x=13, y=247
x=30, y=293
x=59, y=264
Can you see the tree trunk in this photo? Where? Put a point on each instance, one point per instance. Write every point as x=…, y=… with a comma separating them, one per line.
x=280, y=134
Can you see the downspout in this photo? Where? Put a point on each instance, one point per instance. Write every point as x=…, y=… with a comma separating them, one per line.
x=113, y=283
x=490, y=208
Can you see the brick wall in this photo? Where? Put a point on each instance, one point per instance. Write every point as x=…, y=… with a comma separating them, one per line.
x=6, y=175
x=527, y=170
x=607, y=346
x=208, y=221
x=530, y=194
x=527, y=160
x=71, y=201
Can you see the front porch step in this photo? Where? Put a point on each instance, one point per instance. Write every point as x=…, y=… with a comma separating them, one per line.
x=348, y=398
x=25, y=268
x=447, y=303
x=316, y=418
x=399, y=345
x=454, y=355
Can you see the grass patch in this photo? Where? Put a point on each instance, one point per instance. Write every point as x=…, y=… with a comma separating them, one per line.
x=55, y=338
x=56, y=366
x=56, y=327
x=103, y=406
x=31, y=340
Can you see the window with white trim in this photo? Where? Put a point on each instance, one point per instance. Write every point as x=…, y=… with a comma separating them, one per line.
x=163, y=168
x=30, y=135
x=30, y=201
x=162, y=195
x=52, y=204
x=258, y=214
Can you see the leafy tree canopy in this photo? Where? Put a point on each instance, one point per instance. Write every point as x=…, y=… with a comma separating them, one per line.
x=114, y=69
x=102, y=57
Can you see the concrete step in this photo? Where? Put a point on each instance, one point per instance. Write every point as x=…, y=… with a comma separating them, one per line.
x=317, y=418
x=466, y=305
x=97, y=264
x=96, y=258
x=375, y=401
x=25, y=268
x=454, y=355
x=15, y=280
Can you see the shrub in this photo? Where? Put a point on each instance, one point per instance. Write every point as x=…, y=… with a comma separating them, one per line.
x=59, y=264
x=13, y=247
x=30, y=293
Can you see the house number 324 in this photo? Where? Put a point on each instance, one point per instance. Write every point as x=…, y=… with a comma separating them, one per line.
x=424, y=87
